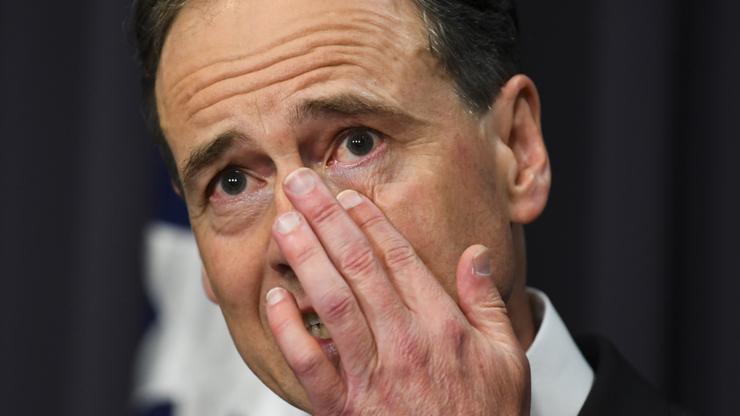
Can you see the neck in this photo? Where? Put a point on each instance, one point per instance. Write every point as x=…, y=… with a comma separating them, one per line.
x=520, y=311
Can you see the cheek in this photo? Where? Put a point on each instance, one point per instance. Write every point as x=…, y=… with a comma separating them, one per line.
x=233, y=270
x=237, y=267
x=443, y=211
x=416, y=209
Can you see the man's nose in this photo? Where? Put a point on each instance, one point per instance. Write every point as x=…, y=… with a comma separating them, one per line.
x=284, y=167
x=282, y=203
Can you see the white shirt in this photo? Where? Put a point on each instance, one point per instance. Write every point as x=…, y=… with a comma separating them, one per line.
x=561, y=377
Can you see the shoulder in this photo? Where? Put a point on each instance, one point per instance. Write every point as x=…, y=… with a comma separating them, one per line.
x=617, y=388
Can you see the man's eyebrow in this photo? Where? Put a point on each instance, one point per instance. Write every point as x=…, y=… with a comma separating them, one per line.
x=346, y=105
x=206, y=155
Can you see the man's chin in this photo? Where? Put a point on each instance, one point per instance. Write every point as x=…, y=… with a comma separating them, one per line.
x=282, y=381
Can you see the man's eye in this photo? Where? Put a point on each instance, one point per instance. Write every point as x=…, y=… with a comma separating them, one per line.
x=355, y=144
x=232, y=181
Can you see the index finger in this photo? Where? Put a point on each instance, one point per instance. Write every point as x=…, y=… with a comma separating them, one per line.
x=348, y=248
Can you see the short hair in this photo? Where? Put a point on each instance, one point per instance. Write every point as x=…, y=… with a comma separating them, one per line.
x=476, y=42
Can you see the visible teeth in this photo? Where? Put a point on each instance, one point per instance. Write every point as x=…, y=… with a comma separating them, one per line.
x=315, y=327
x=311, y=318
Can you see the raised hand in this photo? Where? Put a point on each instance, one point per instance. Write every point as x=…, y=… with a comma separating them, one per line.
x=399, y=344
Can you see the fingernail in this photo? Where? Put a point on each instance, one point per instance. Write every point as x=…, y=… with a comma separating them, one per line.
x=482, y=263
x=287, y=222
x=300, y=181
x=275, y=295
x=349, y=199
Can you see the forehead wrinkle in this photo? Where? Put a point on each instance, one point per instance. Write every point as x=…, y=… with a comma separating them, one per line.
x=313, y=65
x=367, y=19
x=215, y=77
x=372, y=28
x=198, y=106
x=381, y=31
x=229, y=65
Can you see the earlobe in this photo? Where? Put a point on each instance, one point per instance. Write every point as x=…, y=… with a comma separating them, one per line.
x=528, y=177
x=207, y=286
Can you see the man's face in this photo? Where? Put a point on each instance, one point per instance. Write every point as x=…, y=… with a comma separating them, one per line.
x=249, y=91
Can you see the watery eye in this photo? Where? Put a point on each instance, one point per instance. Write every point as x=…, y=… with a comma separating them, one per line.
x=357, y=143
x=233, y=181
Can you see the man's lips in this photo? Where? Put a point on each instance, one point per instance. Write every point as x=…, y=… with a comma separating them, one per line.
x=318, y=330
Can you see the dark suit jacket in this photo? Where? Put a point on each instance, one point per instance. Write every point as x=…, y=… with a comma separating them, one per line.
x=618, y=389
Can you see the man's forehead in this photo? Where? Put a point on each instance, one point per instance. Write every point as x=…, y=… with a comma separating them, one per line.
x=208, y=29
x=216, y=50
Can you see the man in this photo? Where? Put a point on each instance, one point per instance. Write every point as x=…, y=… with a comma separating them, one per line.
x=357, y=176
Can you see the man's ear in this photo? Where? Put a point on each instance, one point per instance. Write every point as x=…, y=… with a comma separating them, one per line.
x=207, y=286
x=521, y=150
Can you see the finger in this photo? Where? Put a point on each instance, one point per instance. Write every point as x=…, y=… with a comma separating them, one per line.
x=410, y=276
x=314, y=371
x=479, y=298
x=330, y=295
x=347, y=247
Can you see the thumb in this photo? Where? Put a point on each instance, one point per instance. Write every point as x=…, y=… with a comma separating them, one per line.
x=480, y=300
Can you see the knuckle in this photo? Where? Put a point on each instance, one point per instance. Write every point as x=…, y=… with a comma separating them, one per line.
x=280, y=326
x=338, y=306
x=326, y=213
x=399, y=256
x=456, y=335
x=453, y=329
x=305, y=253
x=357, y=260
x=413, y=352
x=372, y=221
x=307, y=364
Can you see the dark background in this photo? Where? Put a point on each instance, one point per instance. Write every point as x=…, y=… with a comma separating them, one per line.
x=638, y=243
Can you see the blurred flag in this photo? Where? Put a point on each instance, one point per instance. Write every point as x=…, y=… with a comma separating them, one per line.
x=187, y=364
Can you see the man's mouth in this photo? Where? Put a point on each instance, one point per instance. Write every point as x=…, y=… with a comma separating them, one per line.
x=320, y=332
x=315, y=327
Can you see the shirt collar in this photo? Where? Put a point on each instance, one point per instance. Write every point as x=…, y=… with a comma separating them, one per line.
x=561, y=377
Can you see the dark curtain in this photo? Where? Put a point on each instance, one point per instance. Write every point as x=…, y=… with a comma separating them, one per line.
x=637, y=243
x=73, y=182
